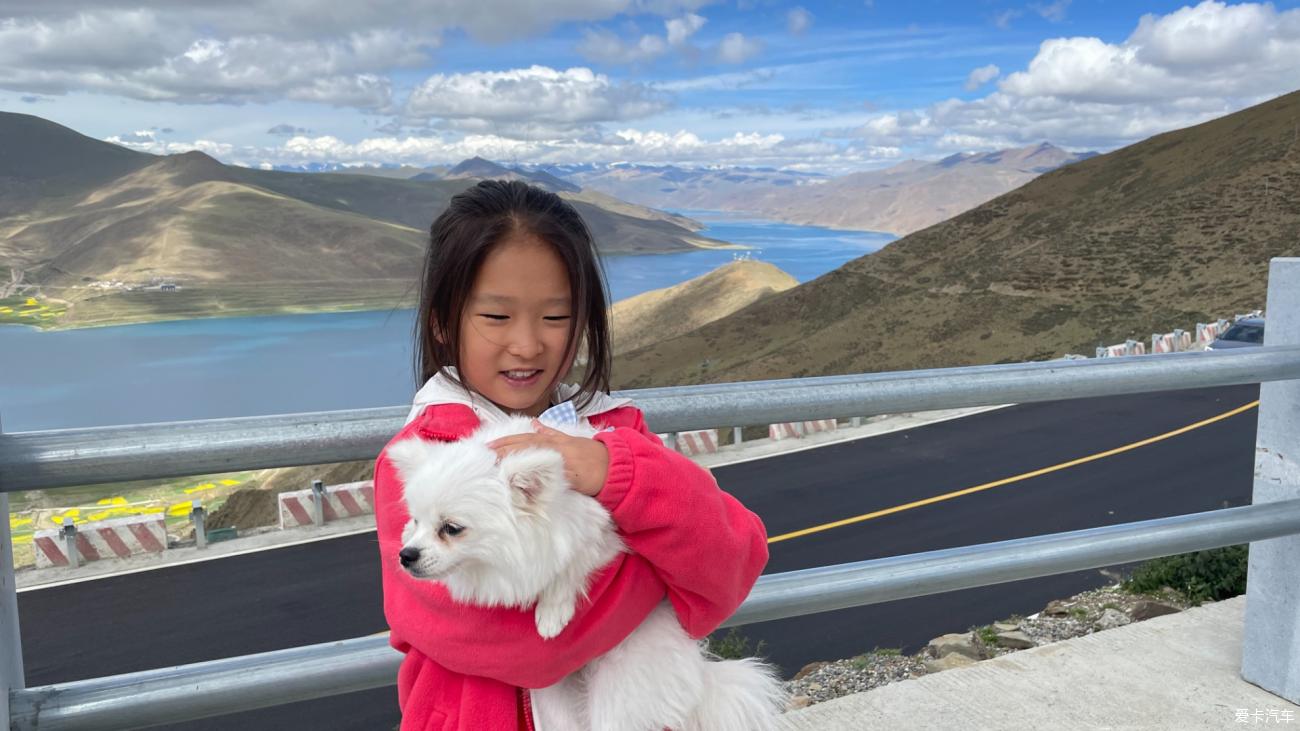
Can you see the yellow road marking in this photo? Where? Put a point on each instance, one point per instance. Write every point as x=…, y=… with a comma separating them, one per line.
x=1009, y=480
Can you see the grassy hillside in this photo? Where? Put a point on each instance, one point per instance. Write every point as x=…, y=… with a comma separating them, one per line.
x=1174, y=229
x=87, y=227
x=666, y=313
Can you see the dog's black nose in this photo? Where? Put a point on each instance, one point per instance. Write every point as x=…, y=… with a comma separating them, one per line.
x=408, y=555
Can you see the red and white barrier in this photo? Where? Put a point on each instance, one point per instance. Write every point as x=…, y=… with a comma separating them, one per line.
x=692, y=443
x=1207, y=332
x=1132, y=347
x=1174, y=342
x=341, y=501
x=104, y=539
x=799, y=429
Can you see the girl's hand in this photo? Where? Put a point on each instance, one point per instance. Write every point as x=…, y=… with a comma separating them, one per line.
x=586, y=461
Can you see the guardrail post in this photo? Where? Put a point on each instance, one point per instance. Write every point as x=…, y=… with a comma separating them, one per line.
x=69, y=533
x=318, y=503
x=1270, y=645
x=11, y=640
x=737, y=435
x=200, y=530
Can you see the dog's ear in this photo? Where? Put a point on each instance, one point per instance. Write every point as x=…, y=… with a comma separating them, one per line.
x=534, y=474
x=407, y=456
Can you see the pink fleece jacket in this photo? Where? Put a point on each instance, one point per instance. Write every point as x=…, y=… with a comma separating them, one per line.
x=465, y=665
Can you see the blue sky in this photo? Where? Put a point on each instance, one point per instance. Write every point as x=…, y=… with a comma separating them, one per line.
x=830, y=86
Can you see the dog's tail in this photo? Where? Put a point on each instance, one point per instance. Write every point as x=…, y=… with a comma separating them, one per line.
x=740, y=695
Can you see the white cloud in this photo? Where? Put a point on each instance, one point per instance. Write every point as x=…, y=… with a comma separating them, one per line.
x=137, y=55
x=490, y=20
x=604, y=46
x=219, y=150
x=237, y=51
x=735, y=48
x=681, y=29
x=576, y=96
x=1173, y=71
x=1004, y=18
x=798, y=20
x=632, y=145
x=1054, y=12
x=981, y=76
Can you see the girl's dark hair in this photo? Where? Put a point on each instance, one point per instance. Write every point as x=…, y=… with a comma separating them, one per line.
x=475, y=222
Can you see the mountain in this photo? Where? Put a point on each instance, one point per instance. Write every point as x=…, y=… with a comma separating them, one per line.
x=670, y=186
x=402, y=172
x=900, y=199
x=666, y=313
x=1172, y=230
x=88, y=224
x=478, y=168
x=911, y=196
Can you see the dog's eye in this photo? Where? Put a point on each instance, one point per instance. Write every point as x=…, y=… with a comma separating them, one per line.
x=451, y=529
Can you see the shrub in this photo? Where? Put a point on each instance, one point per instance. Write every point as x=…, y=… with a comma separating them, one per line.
x=1200, y=576
x=734, y=645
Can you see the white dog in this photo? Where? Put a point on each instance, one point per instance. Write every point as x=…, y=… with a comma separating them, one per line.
x=515, y=534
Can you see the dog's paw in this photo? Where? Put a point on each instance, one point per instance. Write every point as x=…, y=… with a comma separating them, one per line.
x=551, y=619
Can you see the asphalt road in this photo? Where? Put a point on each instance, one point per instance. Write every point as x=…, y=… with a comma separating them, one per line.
x=330, y=589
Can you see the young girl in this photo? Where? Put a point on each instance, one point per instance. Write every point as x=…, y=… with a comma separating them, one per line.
x=511, y=293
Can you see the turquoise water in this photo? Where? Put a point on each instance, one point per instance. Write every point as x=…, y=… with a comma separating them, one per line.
x=212, y=368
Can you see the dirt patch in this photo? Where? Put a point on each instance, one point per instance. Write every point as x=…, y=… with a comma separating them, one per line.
x=248, y=508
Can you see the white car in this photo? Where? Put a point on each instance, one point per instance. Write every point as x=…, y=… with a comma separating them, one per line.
x=1245, y=333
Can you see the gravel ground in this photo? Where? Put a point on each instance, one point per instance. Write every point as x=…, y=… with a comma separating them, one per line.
x=1081, y=614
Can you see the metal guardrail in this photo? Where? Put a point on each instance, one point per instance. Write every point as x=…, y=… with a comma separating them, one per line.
x=84, y=456
x=246, y=683
x=64, y=457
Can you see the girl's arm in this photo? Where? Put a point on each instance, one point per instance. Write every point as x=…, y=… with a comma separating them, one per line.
x=701, y=541
x=497, y=642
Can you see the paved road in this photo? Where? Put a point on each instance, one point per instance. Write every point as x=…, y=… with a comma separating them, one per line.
x=329, y=590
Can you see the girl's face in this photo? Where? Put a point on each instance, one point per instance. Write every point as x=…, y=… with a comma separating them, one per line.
x=515, y=325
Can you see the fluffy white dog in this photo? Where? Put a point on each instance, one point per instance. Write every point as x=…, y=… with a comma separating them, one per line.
x=514, y=534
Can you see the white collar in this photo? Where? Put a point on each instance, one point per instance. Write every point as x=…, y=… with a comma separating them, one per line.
x=443, y=389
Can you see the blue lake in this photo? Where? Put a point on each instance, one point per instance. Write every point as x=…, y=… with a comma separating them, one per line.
x=212, y=368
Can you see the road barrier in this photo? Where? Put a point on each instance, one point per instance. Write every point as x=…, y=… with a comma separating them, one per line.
x=1270, y=659
x=697, y=442
x=351, y=500
x=113, y=538
x=799, y=429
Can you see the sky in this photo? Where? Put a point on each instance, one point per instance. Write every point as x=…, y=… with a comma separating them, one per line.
x=833, y=86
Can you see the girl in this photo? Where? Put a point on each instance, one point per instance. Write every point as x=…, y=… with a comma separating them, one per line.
x=511, y=293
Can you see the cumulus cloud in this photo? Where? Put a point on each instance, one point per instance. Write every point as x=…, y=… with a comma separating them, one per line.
x=220, y=150
x=139, y=136
x=604, y=46
x=798, y=20
x=981, y=76
x=1173, y=71
x=735, y=48
x=538, y=94
x=629, y=144
x=136, y=55
x=489, y=20
x=238, y=51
